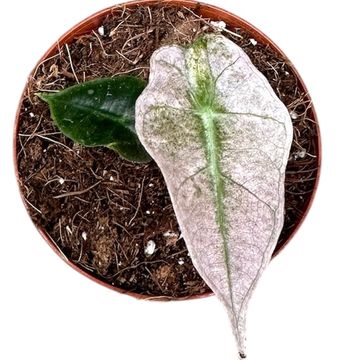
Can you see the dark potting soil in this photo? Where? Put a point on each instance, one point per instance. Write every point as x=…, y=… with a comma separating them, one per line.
x=104, y=213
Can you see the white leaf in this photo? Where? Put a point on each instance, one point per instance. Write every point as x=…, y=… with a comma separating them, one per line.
x=221, y=137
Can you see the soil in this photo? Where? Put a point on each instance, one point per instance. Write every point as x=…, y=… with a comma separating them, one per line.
x=102, y=211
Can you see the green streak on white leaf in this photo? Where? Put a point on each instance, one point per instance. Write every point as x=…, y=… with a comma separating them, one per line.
x=213, y=149
x=206, y=110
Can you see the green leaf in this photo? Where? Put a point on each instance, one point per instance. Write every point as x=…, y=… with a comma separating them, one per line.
x=222, y=138
x=100, y=113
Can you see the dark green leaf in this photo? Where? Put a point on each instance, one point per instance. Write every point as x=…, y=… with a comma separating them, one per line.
x=100, y=113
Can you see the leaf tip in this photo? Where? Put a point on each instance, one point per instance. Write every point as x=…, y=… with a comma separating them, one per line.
x=43, y=96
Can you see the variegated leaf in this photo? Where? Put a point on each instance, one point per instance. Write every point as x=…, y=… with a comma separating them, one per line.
x=221, y=137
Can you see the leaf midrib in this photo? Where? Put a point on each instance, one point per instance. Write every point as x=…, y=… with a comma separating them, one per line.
x=207, y=112
x=213, y=148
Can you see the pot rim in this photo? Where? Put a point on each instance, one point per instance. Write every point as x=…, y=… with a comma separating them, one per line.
x=206, y=10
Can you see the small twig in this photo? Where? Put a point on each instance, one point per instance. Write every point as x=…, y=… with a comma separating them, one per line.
x=35, y=208
x=300, y=193
x=139, y=202
x=122, y=227
x=71, y=64
x=292, y=181
x=22, y=150
x=87, y=267
x=82, y=200
x=56, y=245
x=54, y=141
x=81, y=252
x=101, y=44
x=137, y=265
x=60, y=232
x=164, y=297
x=131, y=70
x=32, y=134
x=41, y=133
x=136, y=37
x=47, y=90
x=56, y=178
x=154, y=279
x=79, y=192
x=150, y=15
x=113, y=31
x=302, y=171
x=211, y=25
x=125, y=58
x=123, y=252
x=43, y=62
x=177, y=253
x=127, y=25
x=123, y=199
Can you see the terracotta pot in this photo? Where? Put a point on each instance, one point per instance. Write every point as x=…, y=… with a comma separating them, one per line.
x=208, y=11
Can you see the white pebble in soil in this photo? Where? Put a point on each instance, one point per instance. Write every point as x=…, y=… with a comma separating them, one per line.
x=170, y=233
x=253, y=42
x=101, y=31
x=302, y=153
x=61, y=181
x=84, y=235
x=150, y=248
x=221, y=25
x=299, y=154
x=293, y=115
x=181, y=261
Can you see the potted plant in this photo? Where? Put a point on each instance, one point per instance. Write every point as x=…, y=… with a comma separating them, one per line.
x=112, y=219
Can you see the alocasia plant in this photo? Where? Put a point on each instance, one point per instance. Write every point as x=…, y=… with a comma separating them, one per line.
x=221, y=137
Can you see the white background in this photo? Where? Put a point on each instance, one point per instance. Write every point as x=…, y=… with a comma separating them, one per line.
x=307, y=303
